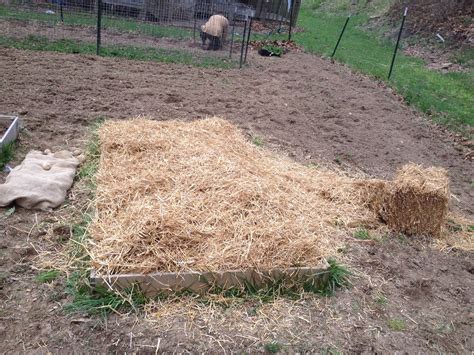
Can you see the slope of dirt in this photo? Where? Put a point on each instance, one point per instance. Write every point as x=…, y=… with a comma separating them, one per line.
x=406, y=295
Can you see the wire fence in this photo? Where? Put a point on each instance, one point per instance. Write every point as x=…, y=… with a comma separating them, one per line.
x=165, y=30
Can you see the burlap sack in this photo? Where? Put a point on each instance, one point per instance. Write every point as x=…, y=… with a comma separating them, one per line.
x=41, y=181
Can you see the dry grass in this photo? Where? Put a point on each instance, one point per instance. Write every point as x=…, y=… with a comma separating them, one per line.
x=457, y=234
x=174, y=196
x=212, y=326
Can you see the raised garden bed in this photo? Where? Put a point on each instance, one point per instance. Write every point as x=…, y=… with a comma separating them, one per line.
x=9, y=129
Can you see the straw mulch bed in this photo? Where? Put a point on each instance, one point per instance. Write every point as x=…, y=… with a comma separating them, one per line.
x=175, y=196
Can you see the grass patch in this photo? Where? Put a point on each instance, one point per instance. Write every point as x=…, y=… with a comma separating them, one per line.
x=40, y=43
x=258, y=141
x=7, y=153
x=90, y=166
x=99, y=301
x=362, y=234
x=273, y=347
x=89, y=19
x=338, y=278
x=397, y=324
x=381, y=300
x=85, y=297
x=446, y=97
x=47, y=276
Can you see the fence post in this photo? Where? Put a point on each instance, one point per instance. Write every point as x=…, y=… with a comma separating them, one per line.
x=248, y=39
x=232, y=37
x=291, y=20
x=243, y=43
x=280, y=15
x=99, y=24
x=61, y=10
x=398, y=42
x=195, y=22
x=340, y=36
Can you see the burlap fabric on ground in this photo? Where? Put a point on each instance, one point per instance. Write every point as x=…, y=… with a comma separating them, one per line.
x=41, y=181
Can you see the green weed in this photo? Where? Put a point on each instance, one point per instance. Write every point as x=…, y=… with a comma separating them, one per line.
x=274, y=50
x=258, y=141
x=47, y=276
x=273, y=347
x=337, y=277
x=99, y=301
x=381, y=300
x=324, y=284
x=397, y=324
x=7, y=153
x=90, y=166
x=362, y=234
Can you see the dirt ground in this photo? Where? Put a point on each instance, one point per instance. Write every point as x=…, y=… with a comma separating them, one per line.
x=406, y=296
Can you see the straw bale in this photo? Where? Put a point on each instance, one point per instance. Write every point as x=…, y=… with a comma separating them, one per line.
x=197, y=196
x=417, y=200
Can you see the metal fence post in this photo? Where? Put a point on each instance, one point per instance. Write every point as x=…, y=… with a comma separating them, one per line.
x=195, y=22
x=243, y=43
x=398, y=42
x=340, y=36
x=248, y=39
x=99, y=24
x=232, y=37
x=291, y=20
x=279, y=15
x=61, y=10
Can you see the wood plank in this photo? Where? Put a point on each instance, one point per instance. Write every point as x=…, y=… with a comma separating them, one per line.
x=157, y=283
x=12, y=131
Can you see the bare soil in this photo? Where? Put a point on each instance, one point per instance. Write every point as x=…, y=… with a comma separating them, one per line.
x=407, y=295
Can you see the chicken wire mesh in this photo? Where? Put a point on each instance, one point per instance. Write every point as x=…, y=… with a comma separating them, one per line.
x=165, y=30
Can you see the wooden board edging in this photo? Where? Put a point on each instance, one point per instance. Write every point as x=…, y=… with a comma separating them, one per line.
x=157, y=283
